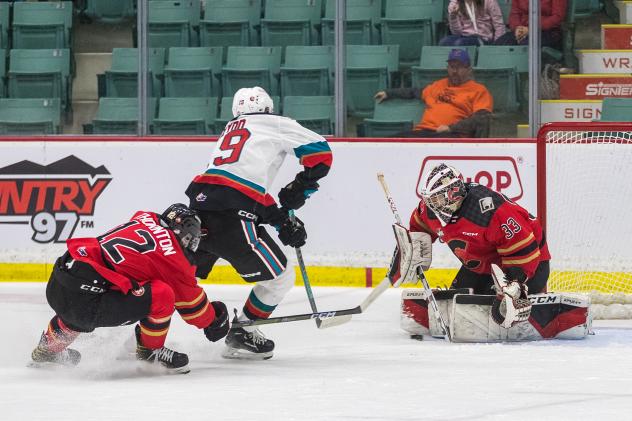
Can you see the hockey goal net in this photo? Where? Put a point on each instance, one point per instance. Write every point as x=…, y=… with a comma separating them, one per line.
x=585, y=204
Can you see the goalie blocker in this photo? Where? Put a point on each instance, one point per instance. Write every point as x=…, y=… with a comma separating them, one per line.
x=559, y=316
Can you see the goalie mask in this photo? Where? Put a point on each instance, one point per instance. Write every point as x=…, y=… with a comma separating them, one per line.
x=252, y=100
x=185, y=223
x=444, y=191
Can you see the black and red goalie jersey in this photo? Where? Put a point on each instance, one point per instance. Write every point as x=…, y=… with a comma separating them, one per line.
x=488, y=228
x=141, y=251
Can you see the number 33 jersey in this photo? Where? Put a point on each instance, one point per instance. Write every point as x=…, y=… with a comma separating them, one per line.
x=247, y=158
x=488, y=228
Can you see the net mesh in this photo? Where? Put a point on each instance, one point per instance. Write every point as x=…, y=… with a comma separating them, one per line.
x=589, y=211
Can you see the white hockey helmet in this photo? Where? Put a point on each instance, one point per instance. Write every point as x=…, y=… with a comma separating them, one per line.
x=252, y=100
x=444, y=191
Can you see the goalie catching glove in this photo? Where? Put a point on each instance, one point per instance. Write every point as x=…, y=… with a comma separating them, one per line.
x=511, y=305
x=413, y=250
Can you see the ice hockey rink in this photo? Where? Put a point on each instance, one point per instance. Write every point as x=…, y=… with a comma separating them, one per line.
x=367, y=369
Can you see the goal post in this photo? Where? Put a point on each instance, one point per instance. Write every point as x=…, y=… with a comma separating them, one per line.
x=585, y=205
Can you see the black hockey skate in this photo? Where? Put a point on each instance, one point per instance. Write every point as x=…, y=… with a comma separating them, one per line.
x=244, y=345
x=174, y=362
x=43, y=357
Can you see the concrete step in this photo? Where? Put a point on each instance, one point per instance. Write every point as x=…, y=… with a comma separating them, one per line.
x=570, y=110
x=616, y=37
x=604, y=61
x=625, y=11
x=595, y=86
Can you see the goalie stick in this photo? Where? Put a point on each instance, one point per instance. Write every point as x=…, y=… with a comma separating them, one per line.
x=420, y=272
x=324, y=316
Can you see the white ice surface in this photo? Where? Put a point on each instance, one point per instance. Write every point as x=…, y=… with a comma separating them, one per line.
x=367, y=369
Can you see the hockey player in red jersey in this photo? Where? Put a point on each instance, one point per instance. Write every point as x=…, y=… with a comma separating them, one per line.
x=481, y=227
x=136, y=272
x=232, y=197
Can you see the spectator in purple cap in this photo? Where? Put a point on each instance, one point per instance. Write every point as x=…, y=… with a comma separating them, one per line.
x=456, y=106
x=474, y=22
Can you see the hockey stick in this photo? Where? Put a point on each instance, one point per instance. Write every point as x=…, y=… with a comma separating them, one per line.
x=420, y=272
x=324, y=316
x=301, y=265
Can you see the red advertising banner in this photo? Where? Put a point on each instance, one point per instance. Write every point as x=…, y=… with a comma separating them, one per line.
x=595, y=86
x=616, y=37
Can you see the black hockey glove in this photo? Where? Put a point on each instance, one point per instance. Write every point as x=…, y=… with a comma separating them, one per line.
x=219, y=328
x=293, y=195
x=292, y=232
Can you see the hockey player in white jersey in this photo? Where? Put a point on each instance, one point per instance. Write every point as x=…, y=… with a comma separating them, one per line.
x=232, y=197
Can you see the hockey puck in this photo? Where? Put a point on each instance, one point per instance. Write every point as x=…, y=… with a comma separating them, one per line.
x=417, y=337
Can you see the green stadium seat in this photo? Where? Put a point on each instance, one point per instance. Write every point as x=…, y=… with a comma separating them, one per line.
x=316, y=113
x=122, y=79
x=368, y=70
x=186, y=116
x=173, y=23
x=3, y=73
x=111, y=11
x=393, y=116
x=119, y=116
x=229, y=23
x=41, y=25
x=30, y=116
x=193, y=72
x=411, y=24
x=505, y=8
x=226, y=111
x=616, y=109
x=308, y=70
x=362, y=16
x=251, y=66
x=433, y=64
x=40, y=74
x=582, y=9
x=291, y=22
x=4, y=25
x=499, y=69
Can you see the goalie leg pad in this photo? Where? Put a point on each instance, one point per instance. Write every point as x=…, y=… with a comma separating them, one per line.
x=553, y=316
x=417, y=316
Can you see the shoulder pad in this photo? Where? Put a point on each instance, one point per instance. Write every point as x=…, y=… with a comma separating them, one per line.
x=480, y=204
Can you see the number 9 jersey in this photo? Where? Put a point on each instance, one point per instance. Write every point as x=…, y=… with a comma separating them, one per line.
x=247, y=158
x=488, y=228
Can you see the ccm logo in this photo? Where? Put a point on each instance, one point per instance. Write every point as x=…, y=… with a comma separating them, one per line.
x=500, y=173
x=91, y=288
x=325, y=315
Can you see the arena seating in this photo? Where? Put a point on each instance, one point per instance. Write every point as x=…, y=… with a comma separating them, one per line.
x=317, y=113
x=186, y=116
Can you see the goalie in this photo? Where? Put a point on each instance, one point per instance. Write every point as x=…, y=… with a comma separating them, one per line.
x=481, y=227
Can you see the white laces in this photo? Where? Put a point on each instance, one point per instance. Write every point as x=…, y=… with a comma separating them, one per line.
x=164, y=354
x=257, y=337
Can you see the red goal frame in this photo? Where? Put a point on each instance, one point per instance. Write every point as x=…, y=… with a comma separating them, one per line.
x=589, y=126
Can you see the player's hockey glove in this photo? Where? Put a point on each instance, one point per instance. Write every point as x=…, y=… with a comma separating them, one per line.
x=511, y=305
x=293, y=195
x=219, y=328
x=292, y=232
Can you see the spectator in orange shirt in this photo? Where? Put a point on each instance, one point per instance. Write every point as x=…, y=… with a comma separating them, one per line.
x=552, y=14
x=456, y=106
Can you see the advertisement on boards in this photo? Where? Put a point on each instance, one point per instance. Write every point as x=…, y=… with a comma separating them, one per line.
x=51, y=191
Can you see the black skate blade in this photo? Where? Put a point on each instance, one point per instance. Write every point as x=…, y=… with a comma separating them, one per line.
x=49, y=365
x=241, y=354
x=151, y=368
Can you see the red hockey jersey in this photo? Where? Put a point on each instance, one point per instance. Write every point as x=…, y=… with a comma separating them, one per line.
x=141, y=251
x=488, y=228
